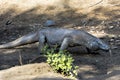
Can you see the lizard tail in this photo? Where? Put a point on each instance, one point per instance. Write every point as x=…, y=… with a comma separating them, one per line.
x=21, y=41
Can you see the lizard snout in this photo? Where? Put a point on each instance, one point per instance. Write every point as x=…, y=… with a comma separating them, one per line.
x=105, y=47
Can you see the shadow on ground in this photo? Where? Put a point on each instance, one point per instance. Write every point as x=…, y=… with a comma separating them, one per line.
x=100, y=18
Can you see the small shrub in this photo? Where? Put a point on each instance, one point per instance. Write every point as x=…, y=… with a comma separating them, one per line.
x=61, y=62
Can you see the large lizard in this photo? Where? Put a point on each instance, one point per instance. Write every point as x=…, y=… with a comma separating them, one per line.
x=60, y=36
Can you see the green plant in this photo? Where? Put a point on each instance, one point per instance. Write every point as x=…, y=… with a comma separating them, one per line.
x=61, y=62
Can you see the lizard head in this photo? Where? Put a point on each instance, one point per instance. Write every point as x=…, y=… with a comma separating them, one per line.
x=103, y=45
x=98, y=44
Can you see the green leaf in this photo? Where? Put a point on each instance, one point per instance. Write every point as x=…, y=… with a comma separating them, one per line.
x=61, y=61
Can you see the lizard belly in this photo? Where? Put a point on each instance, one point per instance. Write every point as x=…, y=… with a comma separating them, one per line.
x=54, y=41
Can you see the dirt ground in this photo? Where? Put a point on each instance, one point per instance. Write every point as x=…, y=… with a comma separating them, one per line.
x=99, y=17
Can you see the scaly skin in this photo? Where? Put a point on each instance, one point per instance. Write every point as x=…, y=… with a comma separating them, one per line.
x=62, y=37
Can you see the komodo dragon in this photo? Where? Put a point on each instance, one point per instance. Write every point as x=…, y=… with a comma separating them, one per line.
x=60, y=36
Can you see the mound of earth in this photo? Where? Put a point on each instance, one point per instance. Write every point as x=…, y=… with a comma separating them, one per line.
x=38, y=71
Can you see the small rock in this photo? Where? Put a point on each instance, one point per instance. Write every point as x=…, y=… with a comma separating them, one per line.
x=96, y=60
x=117, y=40
x=111, y=40
x=109, y=72
x=49, y=23
x=114, y=47
x=111, y=36
x=111, y=27
x=78, y=27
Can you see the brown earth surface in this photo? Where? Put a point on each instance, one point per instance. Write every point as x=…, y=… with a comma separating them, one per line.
x=99, y=17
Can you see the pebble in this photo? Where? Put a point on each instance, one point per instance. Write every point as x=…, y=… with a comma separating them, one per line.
x=112, y=36
x=109, y=72
x=111, y=40
x=114, y=47
x=49, y=23
x=96, y=60
x=111, y=27
x=117, y=41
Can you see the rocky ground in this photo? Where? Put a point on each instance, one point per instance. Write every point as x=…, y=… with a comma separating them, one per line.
x=99, y=17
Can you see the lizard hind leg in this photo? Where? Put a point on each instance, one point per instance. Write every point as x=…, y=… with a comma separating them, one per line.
x=41, y=42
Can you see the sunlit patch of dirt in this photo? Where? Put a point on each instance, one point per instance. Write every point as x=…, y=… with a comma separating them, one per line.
x=98, y=17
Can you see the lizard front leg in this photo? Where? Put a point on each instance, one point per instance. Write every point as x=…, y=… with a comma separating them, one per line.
x=65, y=43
